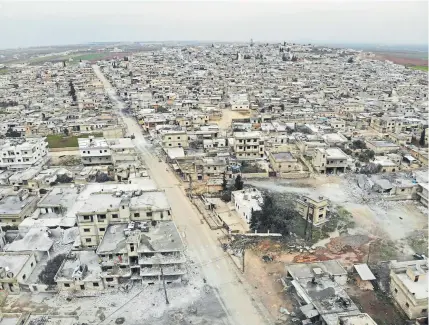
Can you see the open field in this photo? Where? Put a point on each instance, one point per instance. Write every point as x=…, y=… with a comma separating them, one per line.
x=62, y=141
x=415, y=59
x=420, y=67
x=76, y=57
x=393, y=220
x=228, y=115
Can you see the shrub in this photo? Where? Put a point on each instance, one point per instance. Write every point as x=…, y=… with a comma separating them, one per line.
x=48, y=274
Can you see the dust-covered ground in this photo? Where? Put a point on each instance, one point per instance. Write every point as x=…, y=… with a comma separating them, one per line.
x=228, y=115
x=390, y=221
x=193, y=303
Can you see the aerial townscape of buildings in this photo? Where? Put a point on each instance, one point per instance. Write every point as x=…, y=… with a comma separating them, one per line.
x=239, y=183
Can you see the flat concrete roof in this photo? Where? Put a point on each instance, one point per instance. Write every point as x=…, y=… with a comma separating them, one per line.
x=11, y=205
x=14, y=262
x=246, y=135
x=59, y=196
x=155, y=200
x=87, y=143
x=383, y=144
x=100, y=203
x=10, y=319
x=285, y=156
x=305, y=270
x=335, y=153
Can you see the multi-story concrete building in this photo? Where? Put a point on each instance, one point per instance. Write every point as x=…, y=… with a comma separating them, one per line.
x=386, y=124
x=20, y=153
x=329, y=160
x=248, y=145
x=312, y=209
x=409, y=287
x=15, y=208
x=145, y=252
x=95, y=151
x=15, y=268
x=80, y=271
x=101, y=209
x=174, y=139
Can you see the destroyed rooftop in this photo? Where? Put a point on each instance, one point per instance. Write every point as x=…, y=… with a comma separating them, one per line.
x=77, y=258
x=163, y=237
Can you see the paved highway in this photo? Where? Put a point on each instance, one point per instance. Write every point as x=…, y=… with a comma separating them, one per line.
x=237, y=298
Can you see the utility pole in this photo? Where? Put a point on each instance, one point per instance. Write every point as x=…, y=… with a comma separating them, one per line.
x=369, y=252
x=244, y=261
x=190, y=186
x=165, y=289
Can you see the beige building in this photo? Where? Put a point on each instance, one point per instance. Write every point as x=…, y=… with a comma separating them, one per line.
x=284, y=162
x=382, y=146
x=330, y=160
x=100, y=210
x=313, y=209
x=141, y=252
x=174, y=139
x=16, y=207
x=80, y=271
x=15, y=268
x=248, y=145
x=386, y=124
x=409, y=287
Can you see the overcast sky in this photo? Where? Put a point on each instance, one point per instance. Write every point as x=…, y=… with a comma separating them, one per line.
x=36, y=23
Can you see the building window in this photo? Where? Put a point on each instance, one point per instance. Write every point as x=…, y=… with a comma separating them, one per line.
x=114, y=216
x=31, y=264
x=148, y=214
x=95, y=284
x=137, y=215
x=102, y=229
x=85, y=217
x=24, y=276
x=87, y=240
x=109, y=279
x=407, y=305
x=67, y=285
x=86, y=230
x=424, y=310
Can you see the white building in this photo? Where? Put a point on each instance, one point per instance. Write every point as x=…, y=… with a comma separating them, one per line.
x=95, y=151
x=21, y=153
x=245, y=201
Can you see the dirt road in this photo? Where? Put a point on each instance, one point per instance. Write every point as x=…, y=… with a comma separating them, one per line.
x=238, y=299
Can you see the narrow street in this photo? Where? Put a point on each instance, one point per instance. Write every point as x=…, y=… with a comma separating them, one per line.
x=240, y=302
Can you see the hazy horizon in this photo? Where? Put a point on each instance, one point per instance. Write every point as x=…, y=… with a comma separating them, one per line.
x=390, y=23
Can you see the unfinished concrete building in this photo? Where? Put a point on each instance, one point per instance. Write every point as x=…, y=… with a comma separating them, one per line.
x=144, y=252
